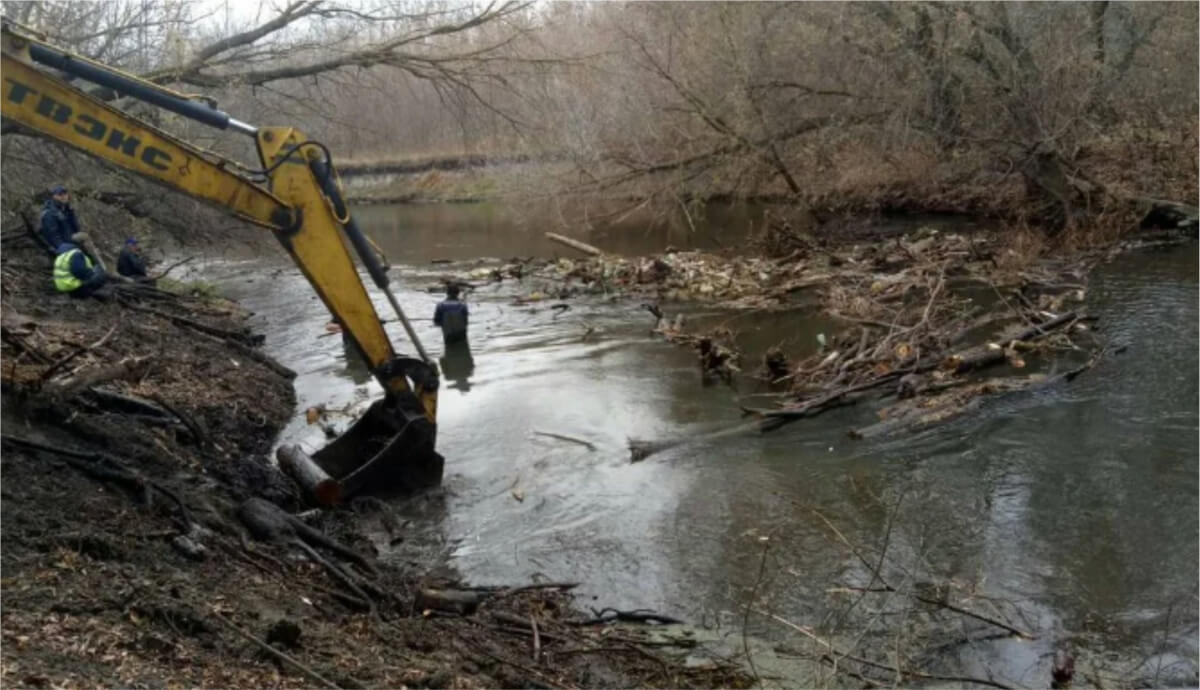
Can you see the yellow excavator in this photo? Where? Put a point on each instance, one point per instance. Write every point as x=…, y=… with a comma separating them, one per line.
x=295, y=194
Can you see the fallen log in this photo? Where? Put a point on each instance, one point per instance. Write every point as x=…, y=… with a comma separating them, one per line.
x=836, y=398
x=63, y=361
x=462, y=602
x=248, y=352
x=268, y=522
x=575, y=244
x=318, y=486
x=89, y=247
x=640, y=449
x=241, y=337
x=916, y=420
x=125, y=369
x=986, y=357
x=958, y=403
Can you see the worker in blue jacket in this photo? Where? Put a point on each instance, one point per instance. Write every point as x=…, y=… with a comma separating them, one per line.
x=59, y=223
x=75, y=273
x=451, y=315
x=130, y=262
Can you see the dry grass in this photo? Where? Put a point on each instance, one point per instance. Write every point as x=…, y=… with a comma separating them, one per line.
x=1020, y=245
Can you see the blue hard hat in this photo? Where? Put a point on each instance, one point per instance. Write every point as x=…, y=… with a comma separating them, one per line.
x=58, y=189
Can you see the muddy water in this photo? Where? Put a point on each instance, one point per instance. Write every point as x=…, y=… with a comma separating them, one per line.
x=1080, y=501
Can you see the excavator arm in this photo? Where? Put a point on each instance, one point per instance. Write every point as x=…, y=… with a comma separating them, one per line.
x=298, y=198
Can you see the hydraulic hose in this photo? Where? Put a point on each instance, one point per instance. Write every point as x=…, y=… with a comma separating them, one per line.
x=138, y=89
x=323, y=171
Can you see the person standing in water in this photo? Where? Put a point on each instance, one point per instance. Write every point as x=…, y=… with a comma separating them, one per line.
x=451, y=315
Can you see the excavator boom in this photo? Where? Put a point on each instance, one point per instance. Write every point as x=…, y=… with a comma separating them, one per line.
x=301, y=204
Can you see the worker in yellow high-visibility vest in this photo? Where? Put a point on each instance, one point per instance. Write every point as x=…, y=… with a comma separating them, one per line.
x=74, y=272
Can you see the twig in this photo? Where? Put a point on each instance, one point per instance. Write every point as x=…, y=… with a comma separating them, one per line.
x=877, y=575
x=337, y=573
x=1166, y=635
x=201, y=437
x=1020, y=314
x=903, y=672
x=565, y=586
x=127, y=368
x=537, y=640
x=172, y=267
x=508, y=662
x=142, y=406
x=78, y=351
x=563, y=437
x=762, y=566
x=17, y=341
x=602, y=617
x=278, y=654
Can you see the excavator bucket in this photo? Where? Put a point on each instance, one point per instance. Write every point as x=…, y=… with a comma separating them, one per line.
x=388, y=449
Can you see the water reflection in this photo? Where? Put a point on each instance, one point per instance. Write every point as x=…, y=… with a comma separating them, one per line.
x=420, y=233
x=458, y=365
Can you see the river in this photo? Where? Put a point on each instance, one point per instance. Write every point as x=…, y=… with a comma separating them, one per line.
x=1078, y=501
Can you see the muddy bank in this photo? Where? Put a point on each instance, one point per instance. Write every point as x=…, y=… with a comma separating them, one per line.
x=149, y=541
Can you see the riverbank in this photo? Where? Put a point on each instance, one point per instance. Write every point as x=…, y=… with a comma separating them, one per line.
x=152, y=608
x=861, y=184
x=136, y=437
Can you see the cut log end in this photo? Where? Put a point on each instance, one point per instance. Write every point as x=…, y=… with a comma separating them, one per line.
x=327, y=492
x=318, y=486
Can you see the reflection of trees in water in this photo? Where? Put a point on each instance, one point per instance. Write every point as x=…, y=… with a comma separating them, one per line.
x=828, y=528
x=419, y=232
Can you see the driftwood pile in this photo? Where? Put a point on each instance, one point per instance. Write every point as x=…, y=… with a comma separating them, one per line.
x=670, y=276
x=925, y=316
x=923, y=333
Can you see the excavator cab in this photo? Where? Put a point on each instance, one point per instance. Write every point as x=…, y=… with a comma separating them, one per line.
x=297, y=196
